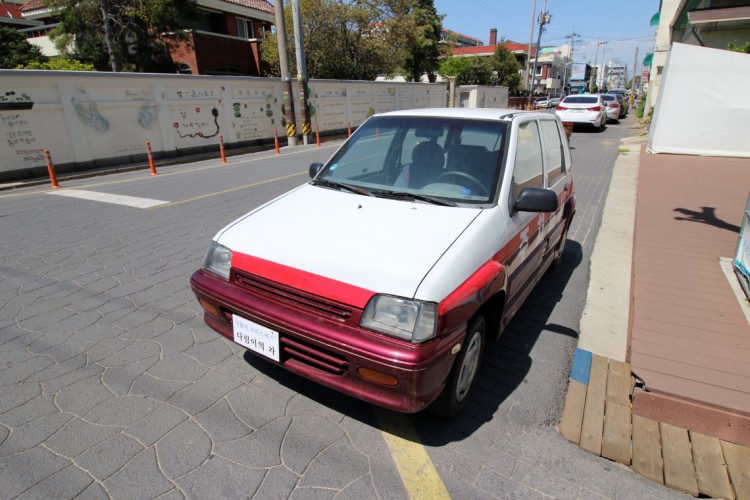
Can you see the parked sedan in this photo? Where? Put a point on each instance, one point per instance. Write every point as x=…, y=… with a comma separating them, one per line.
x=613, y=107
x=385, y=275
x=623, y=100
x=583, y=109
x=542, y=102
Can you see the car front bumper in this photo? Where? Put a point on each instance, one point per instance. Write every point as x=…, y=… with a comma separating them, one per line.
x=333, y=351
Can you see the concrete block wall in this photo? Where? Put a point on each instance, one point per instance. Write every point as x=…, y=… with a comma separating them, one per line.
x=94, y=119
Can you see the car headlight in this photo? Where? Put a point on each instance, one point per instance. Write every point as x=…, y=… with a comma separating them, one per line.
x=407, y=319
x=218, y=260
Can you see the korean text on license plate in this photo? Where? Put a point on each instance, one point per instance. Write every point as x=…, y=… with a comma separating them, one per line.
x=255, y=337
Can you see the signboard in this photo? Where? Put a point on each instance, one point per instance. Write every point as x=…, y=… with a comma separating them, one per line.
x=578, y=71
x=742, y=256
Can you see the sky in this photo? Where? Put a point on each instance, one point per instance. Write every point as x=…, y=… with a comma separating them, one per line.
x=623, y=25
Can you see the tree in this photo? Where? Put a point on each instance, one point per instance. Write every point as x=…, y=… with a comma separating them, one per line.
x=360, y=39
x=467, y=70
x=506, y=67
x=17, y=51
x=123, y=35
x=414, y=26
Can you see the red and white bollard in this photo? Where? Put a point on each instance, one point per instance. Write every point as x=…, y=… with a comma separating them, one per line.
x=317, y=136
x=51, y=170
x=276, y=142
x=349, y=130
x=151, y=164
x=221, y=149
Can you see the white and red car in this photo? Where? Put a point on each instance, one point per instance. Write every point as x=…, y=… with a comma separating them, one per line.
x=386, y=274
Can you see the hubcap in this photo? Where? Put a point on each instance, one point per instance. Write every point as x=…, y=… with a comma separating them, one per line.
x=469, y=366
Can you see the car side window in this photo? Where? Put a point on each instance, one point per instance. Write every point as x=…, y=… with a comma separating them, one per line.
x=553, y=149
x=528, y=170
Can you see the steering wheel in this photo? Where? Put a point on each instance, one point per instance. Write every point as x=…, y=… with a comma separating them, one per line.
x=475, y=183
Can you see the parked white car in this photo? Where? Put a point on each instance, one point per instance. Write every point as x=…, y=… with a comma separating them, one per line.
x=614, y=110
x=413, y=246
x=588, y=109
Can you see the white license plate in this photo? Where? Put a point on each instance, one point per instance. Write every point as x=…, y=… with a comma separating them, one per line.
x=576, y=111
x=255, y=337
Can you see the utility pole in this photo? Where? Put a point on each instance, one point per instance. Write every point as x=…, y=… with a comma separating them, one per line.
x=573, y=43
x=286, y=83
x=299, y=47
x=592, y=79
x=632, y=84
x=544, y=19
x=528, y=54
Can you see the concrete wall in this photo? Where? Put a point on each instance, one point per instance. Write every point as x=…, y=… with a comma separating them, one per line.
x=477, y=96
x=94, y=119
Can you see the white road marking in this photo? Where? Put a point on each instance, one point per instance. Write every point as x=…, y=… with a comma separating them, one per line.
x=117, y=199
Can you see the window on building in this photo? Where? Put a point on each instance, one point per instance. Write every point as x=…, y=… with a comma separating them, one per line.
x=245, y=28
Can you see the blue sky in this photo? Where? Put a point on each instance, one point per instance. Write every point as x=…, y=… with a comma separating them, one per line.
x=623, y=25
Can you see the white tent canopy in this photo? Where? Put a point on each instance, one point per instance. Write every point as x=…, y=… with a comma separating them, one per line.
x=703, y=107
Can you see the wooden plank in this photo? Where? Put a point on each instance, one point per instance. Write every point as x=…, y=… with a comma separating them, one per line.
x=679, y=471
x=618, y=382
x=710, y=467
x=593, y=413
x=647, y=459
x=738, y=462
x=575, y=401
x=616, y=440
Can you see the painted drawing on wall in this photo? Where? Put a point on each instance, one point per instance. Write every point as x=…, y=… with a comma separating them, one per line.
x=197, y=124
x=11, y=100
x=147, y=114
x=87, y=112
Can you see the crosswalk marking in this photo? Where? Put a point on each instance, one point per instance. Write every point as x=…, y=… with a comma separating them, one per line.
x=117, y=199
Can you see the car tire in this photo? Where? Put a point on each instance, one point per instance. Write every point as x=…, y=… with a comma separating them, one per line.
x=463, y=375
x=560, y=249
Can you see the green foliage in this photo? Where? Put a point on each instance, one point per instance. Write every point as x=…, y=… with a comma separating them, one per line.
x=467, y=70
x=745, y=48
x=506, y=67
x=130, y=39
x=60, y=64
x=594, y=88
x=641, y=106
x=16, y=50
x=357, y=40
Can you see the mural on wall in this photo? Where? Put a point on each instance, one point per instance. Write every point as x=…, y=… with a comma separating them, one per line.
x=254, y=116
x=20, y=138
x=148, y=113
x=12, y=100
x=191, y=124
x=87, y=112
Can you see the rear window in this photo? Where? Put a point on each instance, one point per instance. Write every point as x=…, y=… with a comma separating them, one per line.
x=609, y=97
x=581, y=100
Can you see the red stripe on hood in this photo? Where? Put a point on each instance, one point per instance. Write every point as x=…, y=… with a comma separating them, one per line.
x=303, y=280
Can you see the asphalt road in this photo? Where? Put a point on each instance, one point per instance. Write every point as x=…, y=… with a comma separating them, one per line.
x=111, y=384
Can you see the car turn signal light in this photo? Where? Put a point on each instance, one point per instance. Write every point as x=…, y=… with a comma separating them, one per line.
x=595, y=108
x=377, y=377
x=560, y=108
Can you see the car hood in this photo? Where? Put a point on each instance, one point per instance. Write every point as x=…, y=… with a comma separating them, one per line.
x=320, y=239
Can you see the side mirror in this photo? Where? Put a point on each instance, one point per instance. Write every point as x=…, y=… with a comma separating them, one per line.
x=314, y=169
x=537, y=200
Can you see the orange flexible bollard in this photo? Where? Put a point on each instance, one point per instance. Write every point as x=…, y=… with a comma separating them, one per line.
x=51, y=170
x=317, y=136
x=276, y=142
x=349, y=130
x=151, y=164
x=221, y=149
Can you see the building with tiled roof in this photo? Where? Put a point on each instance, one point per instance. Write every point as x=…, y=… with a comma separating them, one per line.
x=226, y=42
x=11, y=15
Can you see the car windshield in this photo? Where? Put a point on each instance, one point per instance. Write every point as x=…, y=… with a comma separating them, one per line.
x=581, y=100
x=425, y=159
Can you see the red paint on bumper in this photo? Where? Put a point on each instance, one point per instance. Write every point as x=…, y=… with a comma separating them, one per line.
x=330, y=350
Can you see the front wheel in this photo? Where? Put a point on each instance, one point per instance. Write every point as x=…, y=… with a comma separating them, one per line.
x=455, y=395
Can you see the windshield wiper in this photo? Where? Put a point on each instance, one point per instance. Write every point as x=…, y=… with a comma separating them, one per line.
x=340, y=187
x=403, y=195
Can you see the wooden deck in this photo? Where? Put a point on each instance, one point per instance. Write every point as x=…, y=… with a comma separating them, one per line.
x=689, y=339
x=598, y=417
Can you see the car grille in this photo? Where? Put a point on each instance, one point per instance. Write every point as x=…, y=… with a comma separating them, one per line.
x=312, y=356
x=292, y=296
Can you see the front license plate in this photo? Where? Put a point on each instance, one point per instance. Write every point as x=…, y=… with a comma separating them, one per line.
x=255, y=337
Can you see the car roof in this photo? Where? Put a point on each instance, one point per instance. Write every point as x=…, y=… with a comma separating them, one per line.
x=465, y=113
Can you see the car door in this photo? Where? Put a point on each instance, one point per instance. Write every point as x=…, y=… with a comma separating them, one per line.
x=557, y=179
x=525, y=229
